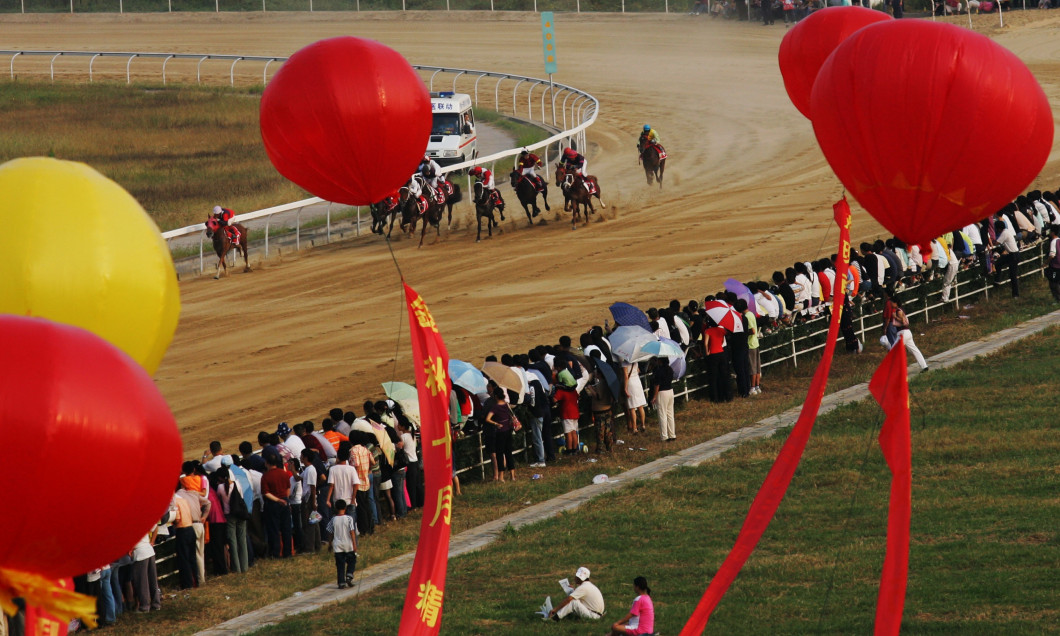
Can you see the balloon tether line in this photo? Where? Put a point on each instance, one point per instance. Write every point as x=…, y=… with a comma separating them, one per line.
x=397, y=343
x=846, y=520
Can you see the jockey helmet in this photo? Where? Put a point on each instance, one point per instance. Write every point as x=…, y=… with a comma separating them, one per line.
x=477, y=170
x=647, y=127
x=217, y=209
x=569, y=152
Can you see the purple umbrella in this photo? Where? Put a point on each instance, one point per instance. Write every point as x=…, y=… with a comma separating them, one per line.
x=627, y=315
x=742, y=291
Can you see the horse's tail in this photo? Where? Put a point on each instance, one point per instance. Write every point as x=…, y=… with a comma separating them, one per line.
x=457, y=195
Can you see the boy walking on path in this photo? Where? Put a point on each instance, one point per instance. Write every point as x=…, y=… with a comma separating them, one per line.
x=344, y=530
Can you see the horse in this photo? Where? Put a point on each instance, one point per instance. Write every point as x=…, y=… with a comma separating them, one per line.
x=484, y=206
x=577, y=195
x=654, y=159
x=383, y=211
x=410, y=209
x=450, y=194
x=222, y=244
x=526, y=191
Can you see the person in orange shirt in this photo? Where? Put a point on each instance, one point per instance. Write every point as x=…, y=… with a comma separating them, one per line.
x=333, y=436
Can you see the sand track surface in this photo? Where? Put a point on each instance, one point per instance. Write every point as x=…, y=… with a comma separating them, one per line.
x=746, y=192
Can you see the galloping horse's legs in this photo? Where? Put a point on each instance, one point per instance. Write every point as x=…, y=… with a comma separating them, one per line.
x=246, y=254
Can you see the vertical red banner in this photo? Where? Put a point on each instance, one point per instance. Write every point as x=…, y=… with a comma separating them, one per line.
x=41, y=623
x=890, y=387
x=775, y=486
x=422, y=613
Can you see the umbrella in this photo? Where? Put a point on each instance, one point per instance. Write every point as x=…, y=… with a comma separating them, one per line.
x=545, y=384
x=662, y=348
x=505, y=377
x=401, y=392
x=610, y=377
x=466, y=376
x=240, y=476
x=405, y=395
x=627, y=315
x=742, y=291
x=724, y=315
x=677, y=362
x=627, y=341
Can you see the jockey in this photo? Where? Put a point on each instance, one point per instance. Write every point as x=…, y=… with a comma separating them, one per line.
x=430, y=171
x=224, y=215
x=648, y=138
x=527, y=162
x=575, y=162
x=485, y=177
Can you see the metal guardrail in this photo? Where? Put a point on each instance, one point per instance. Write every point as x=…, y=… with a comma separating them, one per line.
x=560, y=107
x=662, y=6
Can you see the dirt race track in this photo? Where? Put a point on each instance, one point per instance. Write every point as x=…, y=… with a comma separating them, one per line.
x=747, y=191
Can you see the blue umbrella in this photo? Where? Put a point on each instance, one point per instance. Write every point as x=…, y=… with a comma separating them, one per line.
x=610, y=377
x=662, y=348
x=627, y=315
x=243, y=479
x=465, y=375
x=677, y=363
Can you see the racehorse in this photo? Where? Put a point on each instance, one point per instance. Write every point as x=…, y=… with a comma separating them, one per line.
x=222, y=243
x=484, y=206
x=576, y=195
x=654, y=159
x=384, y=211
x=527, y=193
x=450, y=195
x=410, y=208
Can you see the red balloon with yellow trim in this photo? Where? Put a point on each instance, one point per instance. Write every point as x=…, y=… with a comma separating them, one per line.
x=930, y=126
x=91, y=450
x=347, y=119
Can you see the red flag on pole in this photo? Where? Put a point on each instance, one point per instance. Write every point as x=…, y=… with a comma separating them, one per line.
x=40, y=622
x=423, y=599
x=890, y=387
x=776, y=483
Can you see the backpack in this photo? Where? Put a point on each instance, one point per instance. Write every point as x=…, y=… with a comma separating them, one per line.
x=237, y=506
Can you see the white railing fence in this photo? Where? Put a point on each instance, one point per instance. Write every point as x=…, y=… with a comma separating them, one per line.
x=265, y=6
x=557, y=107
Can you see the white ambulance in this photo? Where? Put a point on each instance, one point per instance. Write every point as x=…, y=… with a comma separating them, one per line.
x=453, y=134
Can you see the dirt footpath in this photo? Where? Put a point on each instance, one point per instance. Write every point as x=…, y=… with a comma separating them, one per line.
x=746, y=192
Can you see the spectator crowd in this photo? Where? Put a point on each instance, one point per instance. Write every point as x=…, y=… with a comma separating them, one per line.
x=305, y=488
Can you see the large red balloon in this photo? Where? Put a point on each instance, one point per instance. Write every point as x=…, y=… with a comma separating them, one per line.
x=347, y=119
x=90, y=452
x=930, y=126
x=805, y=47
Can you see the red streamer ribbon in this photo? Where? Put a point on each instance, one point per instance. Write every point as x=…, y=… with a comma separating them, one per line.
x=776, y=483
x=422, y=613
x=890, y=387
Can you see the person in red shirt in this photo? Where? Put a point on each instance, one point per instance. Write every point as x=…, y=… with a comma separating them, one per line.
x=717, y=370
x=567, y=403
x=275, y=489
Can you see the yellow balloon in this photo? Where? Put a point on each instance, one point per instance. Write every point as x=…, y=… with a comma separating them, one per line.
x=76, y=248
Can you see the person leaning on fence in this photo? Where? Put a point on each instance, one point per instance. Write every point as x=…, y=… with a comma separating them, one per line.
x=1052, y=270
x=602, y=405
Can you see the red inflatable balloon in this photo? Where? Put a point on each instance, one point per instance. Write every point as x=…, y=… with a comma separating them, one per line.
x=930, y=126
x=347, y=119
x=91, y=452
x=805, y=47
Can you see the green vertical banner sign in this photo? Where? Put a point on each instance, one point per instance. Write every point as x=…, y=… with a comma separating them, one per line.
x=548, y=40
